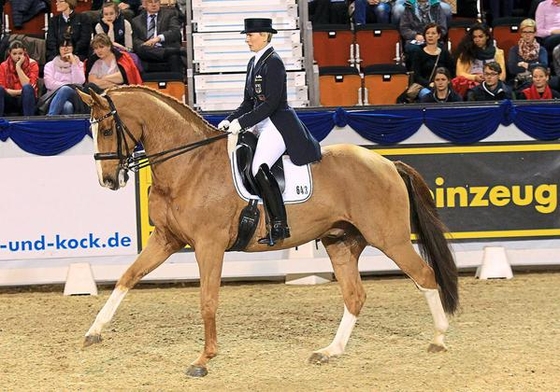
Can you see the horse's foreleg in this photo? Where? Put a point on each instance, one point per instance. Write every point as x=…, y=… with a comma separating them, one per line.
x=423, y=276
x=153, y=255
x=344, y=254
x=210, y=259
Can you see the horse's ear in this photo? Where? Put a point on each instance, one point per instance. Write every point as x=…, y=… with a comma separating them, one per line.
x=97, y=98
x=88, y=100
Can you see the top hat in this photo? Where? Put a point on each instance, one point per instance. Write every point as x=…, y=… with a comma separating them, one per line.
x=258, y=25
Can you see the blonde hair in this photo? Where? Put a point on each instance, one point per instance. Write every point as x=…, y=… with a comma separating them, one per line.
x=101, y=39
x=528, y=23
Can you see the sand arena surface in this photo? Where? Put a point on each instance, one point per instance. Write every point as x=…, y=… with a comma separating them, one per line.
x=505, y=338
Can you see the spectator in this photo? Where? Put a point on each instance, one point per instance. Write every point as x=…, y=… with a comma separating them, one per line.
x=157, y=38
x=526, y=54
x=108, y=67
x=429, y=58
x=417, y=14
x=398, y=9
x=539, y=88
x=61, y=75
x=492, y=88
x=68, y=22
x=328, y=11
x=476, y=49
x=115, y=26
x=441, y=91
x=18, y=81
x=372, y=11
x=548, y=23
x=127, y=8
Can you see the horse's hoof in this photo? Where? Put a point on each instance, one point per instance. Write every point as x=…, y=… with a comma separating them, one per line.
x=92, y=339
x=196, y=371
x=318, y=359
x=434, y=348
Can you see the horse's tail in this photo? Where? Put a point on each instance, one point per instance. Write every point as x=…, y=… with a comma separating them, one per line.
x=430, y=230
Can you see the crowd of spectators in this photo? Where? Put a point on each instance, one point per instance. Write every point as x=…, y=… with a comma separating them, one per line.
x=116, y=42
x=476, y=69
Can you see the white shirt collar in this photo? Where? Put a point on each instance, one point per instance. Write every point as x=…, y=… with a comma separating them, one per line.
x=259, y=54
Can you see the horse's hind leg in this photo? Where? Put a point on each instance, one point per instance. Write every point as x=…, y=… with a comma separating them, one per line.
x=157, y=250
x=344, y=253
x=423, y=276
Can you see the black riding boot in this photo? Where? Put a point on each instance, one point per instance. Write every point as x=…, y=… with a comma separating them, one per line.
x=274, y=206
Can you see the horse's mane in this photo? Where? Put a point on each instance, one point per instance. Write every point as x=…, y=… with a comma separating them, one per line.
x=184, y=110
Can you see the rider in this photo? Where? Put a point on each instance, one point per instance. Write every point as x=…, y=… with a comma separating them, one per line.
x=265, y=108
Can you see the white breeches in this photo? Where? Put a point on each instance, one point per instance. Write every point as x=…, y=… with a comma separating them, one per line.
x=270, y=145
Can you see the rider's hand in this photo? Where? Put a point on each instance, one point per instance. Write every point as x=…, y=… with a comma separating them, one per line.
x=234, y=127
x=223, y=125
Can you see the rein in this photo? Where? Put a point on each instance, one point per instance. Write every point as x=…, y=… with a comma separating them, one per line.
x=135, y=162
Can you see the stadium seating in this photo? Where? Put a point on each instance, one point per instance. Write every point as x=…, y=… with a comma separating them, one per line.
x=506, y=32
x=383, y=83
x=339, y=86
x=377, y=44
x=332, y=45
x=457, y=30
x=166, y=82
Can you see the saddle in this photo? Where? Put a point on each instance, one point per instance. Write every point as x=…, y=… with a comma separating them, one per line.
x=246, y=145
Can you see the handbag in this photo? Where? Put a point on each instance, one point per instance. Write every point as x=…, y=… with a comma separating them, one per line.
x=411, y=93
x=461, y=85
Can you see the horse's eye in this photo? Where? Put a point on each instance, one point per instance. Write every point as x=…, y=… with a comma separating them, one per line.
x=107, y=132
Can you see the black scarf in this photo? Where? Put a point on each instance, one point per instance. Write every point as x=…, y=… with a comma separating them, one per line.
x=487, y=53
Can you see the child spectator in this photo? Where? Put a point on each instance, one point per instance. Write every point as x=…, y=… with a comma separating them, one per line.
x=18, y=81
x=61, y=75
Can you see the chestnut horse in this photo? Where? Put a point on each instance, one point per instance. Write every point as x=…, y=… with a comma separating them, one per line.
x=359, y=199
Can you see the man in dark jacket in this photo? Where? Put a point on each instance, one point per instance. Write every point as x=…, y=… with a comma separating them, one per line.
x=492, y=88
x=157, y=37
x=68, y=23
x=265, y=107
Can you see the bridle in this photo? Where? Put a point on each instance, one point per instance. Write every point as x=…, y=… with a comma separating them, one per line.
x=128, y=159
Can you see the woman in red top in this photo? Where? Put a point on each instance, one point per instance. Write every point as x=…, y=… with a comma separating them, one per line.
x=18, y=81
x=539, y=88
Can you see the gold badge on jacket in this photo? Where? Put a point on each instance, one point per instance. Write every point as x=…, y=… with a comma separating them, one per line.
x=258, y=84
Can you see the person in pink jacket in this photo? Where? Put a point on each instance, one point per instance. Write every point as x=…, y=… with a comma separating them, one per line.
x=547, y=17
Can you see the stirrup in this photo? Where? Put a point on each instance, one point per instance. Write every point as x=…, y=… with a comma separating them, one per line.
x=278, y=232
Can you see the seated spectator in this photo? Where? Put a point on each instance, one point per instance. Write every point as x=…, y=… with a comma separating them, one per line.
x=548, y=23
x=127, y=8
x=417, y=14
x=107, y=67
x=539, y=88
x=429, y=58
x=157, y=38
x=68, y=22
x=18, y=81
x=61, y=75
x=492, y=88
x=526, y=54
x=442, y=91
x=398, y=9
x=476, y=49
x=328, y=12
x=372, y=11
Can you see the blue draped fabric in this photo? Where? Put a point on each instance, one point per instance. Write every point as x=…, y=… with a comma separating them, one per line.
x=45, y=137
x=457, y=123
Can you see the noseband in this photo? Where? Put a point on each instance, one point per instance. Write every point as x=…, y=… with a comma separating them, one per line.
x=134, y=162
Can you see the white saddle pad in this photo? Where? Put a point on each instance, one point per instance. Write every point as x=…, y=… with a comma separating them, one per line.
x=299, y=184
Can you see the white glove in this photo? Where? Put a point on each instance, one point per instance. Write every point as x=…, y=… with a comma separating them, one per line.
x=223, y=125
x=234, y=127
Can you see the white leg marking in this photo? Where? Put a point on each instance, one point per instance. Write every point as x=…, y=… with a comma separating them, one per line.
x=342, y=336
x=438, y=314
x=107, y=312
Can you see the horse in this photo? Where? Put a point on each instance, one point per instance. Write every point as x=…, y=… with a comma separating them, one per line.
x=359, y=198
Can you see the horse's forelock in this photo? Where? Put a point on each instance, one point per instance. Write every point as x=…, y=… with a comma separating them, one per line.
x=184, y=110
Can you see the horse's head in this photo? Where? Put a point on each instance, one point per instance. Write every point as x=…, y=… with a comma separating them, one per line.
x=112, y=142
